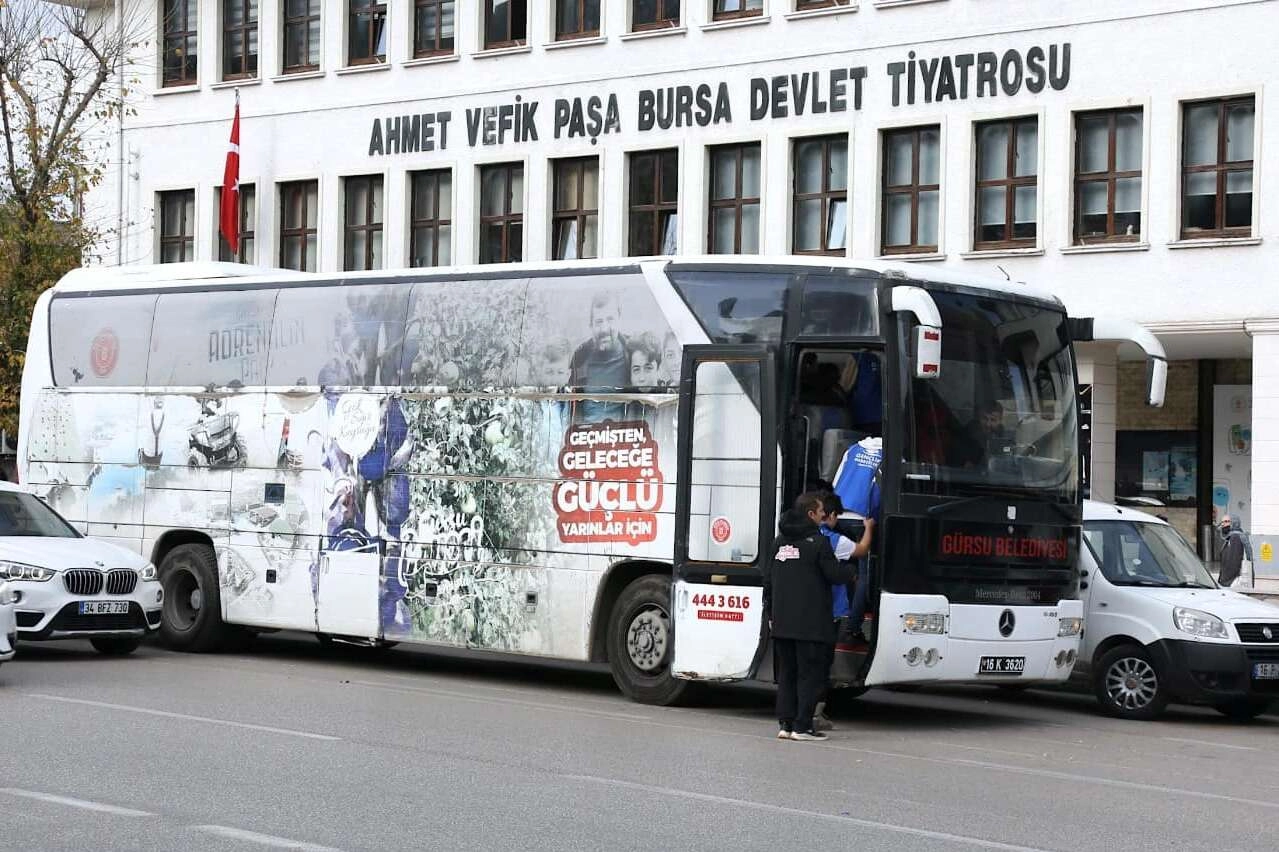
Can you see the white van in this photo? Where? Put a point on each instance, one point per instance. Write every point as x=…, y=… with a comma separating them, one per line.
x=1157, y=627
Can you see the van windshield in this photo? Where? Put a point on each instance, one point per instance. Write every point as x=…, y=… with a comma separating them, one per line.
x=1144, y=554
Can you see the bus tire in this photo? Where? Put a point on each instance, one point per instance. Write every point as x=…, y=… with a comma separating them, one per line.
x=641, y=647
x=1128, y=685
x=191, y=619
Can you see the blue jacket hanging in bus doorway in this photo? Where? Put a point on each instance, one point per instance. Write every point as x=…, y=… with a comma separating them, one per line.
x=797, y=601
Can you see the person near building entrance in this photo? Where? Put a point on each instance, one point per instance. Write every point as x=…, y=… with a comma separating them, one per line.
x=857, y=486
x=798, y=603
x=845, y=551
x=1235, y=548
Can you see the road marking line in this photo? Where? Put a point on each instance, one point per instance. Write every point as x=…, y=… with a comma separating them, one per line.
x=485, y=699
x=262, y=839
x=185, y=716
x=83, y=804
x=781, y=809
x=1208, y=743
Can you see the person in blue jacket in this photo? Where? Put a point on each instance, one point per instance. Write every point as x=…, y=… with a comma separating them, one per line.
x=857, y=485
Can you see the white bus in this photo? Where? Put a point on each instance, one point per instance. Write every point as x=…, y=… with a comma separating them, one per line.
x=578, y=461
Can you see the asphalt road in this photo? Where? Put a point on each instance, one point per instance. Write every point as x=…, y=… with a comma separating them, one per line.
x=295, y=747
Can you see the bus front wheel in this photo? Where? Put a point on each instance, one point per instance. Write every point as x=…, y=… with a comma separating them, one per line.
x=641, y=642
x=191, y=619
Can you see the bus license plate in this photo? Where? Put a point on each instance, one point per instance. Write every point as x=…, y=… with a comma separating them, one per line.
x=1265, y=671
x=1002, y=665
x=104, y=607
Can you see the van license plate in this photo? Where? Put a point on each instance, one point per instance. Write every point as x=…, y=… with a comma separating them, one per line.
x=1002, y=665
x=104, y=607
x=1265, y=671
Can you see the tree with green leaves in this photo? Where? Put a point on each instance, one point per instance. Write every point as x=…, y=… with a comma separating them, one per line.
x=62, y=93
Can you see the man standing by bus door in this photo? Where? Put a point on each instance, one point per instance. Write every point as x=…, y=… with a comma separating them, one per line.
x=845, y=551
x=798, y=604
x=857, y=485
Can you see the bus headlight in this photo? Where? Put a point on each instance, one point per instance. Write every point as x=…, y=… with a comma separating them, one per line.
x=932, y=658
x=914, y=656
x=1070, y=626
x=1199, y=623
x=924, y=622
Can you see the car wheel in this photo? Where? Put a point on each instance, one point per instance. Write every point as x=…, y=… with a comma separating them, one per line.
x=1243, y=710
x=115, y=646
x=641, y=642
x=1128, y=684
x=191, y=619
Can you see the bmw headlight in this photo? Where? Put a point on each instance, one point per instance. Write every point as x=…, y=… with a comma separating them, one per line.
x=147, y=574
x=22, y=571
x=1199, y=623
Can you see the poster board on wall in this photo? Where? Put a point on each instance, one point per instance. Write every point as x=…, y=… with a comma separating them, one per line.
x=1232, y=453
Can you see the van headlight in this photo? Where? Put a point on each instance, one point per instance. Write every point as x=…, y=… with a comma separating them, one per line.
x=22, y=571
x=1199, y=623
x=1069, y=626
x=147, y=574
x=924, y=622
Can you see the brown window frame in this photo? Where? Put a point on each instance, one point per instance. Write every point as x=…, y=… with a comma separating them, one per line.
x=433, y=223
x=1110, y=176
x=303, y=21
x=1009, y=182
x=508, y=218
x=190, y=40
x=510, y=17
x=577, y=214
x=1222, y=168
x=581, y=17
x=375, y=11
x=186, y=230
x=419, y=8
x=737, y=202
x=827, y=195
x=247, y=231
x=913, y=189
x=812, y=5
x=374, y=185
x=718, y=15
x=299, y=233
x=246, y=29
x=662, y=21
x=658, y=208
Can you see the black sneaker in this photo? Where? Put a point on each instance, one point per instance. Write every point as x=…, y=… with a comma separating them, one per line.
x=809, y=736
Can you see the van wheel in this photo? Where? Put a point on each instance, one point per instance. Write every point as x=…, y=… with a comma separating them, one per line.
x=191, y=619
x=1128, y=685
x=641, y=642
x=115, y=646
x=1243, y=710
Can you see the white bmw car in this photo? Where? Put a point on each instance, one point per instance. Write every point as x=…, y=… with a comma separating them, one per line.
x=8, y=630
x=62, y=585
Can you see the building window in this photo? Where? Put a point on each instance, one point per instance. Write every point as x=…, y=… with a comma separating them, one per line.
x=728, y=10
x=299, y=209
x=431, y=225
x=575, y=221
x=433, y=27
x=653, y=226
x=1007, y=183
x=820, y=214
x=654, y=14
x=1108, y=154
x=505, y=23
x=366, y=36
x=362, y=227
x=912, y=186
x=734, y=199
x=239, y=39
x=248, y=215
x=502, y=213
x=576, y=19
x=809, y=5
x=180, y=42
x=1216, y=157
x=177, y=226
x=302, y=36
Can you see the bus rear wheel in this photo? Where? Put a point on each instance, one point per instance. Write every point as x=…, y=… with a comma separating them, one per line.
x=191, y=619
x=641, y=644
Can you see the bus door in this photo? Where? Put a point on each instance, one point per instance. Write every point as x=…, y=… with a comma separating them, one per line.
x=726, y=503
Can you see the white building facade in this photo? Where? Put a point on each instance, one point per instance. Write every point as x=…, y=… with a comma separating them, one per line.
x=1112, y=153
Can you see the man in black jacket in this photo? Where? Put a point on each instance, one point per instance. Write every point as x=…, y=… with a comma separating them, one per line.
x=797, y=603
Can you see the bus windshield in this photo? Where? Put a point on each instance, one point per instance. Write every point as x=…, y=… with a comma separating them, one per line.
x=1001, y=416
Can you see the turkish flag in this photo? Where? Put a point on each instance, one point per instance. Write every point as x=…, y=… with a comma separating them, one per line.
x=229, y=215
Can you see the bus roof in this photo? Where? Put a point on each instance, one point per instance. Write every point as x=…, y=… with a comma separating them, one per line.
x=213, y=275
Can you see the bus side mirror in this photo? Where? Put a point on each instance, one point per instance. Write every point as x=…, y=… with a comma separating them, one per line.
x=925, y=346
x=926, y=352
x=1156, y=381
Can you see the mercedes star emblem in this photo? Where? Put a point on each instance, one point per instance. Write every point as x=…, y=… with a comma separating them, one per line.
x=1268, y=633
x=1007, y=621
